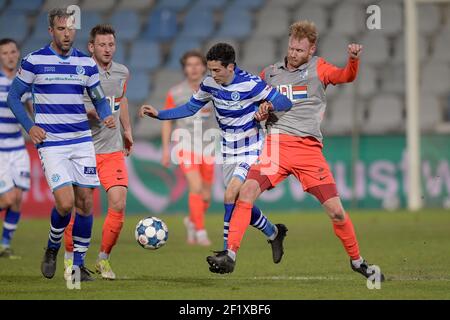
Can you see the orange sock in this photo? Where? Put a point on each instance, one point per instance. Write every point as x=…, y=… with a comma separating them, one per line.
x=240, y=220
x=111, y=230
x=68, y=241
x=344, y=230
x=197, y=210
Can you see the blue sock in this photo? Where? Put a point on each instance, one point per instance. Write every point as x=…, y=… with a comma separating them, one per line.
x=58, y=224
x=9, y=226
x=226, y=223
x=260, y=221
x=81, y=235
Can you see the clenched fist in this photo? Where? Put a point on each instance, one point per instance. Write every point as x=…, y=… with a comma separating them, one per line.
x=148, y=110
x=263, y=111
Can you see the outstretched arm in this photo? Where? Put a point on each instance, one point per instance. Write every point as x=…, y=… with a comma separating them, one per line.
x=183, y=111
x=329, y=73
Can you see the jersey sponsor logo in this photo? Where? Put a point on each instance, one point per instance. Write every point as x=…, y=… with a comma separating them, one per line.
x=49, y=69
x=90, y=170
x=294, y=93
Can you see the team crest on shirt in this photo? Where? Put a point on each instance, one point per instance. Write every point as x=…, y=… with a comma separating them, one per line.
x=55, y=177
x=235, y=96
x=304, y=74
x=80, y=70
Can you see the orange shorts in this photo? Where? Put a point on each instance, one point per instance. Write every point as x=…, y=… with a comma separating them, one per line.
x=190, y=161
x=112, y=170
x=283, y=155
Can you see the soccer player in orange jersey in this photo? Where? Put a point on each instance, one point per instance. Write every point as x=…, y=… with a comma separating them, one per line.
x=294, y=143
x=111, y=146
x=197, y=166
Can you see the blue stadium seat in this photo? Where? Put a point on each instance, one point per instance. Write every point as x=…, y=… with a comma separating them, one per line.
x=180, y=46
x=119, y=56
x=162, y=25
x=126, y=24
x=208, y=4
x=25, y=6
x=145, y=55
x=175, y=5
x=235, y=24
x=2, y=4
x=13, y=25
x=247, y=4
x=138, y=87
x=89, y=20
x=32, y=45
x=198, y=24
x=40, y=29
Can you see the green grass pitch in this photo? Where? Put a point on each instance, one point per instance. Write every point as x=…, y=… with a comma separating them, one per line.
x=411, y=248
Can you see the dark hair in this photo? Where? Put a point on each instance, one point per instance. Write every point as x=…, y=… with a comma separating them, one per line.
x=58, y=13
x=192, y=53
x=7, y=41
x=222, y=52
x=102, y=29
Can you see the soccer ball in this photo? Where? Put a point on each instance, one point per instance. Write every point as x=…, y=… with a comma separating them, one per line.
x=151, y=233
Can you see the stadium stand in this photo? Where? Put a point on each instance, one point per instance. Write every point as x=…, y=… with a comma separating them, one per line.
x=153, y=34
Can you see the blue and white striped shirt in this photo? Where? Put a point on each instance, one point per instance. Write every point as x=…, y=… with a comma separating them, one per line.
x=11, y=138
x=58, y=85
x=235, y=106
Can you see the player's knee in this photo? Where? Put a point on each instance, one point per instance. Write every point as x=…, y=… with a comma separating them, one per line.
x=335, y=211
x=6, y=200
x=248, y=192
x=230, y=195
x=84, y=204
x=118, y=205
x=64, y=207
x=206, y=197
x=16, y=201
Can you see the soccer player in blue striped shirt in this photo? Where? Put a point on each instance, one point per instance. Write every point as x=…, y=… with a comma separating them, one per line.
x=15, y=168
x=58, y=75
x=236, y=95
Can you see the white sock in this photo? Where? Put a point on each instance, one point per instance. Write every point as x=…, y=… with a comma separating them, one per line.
x=357, y=263
x=5, y=246
x=272, y=237
x=232, y=254
x=68, y=255
x=103, y=256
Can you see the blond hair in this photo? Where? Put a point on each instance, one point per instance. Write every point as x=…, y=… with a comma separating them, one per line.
x=304, y=29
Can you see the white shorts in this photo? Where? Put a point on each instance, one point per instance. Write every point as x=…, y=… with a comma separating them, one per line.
x=72, y=164
x=239, y=169
x=14, y=170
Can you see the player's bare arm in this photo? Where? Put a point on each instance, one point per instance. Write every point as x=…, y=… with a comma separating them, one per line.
x=92, y=115
x=126, y=125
